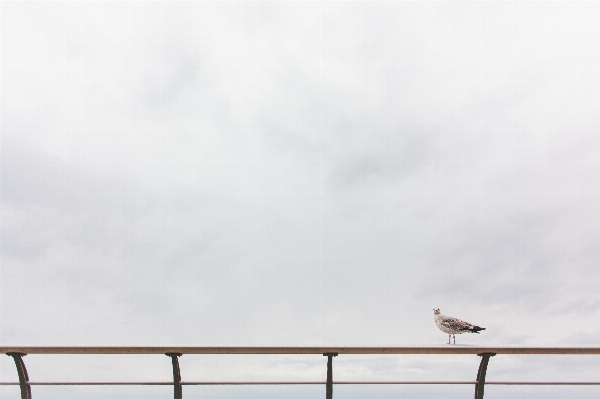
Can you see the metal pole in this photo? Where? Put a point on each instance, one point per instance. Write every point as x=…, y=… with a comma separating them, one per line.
x=22, y=371
x=329, y=385
x=176, y=375
x=480, y=385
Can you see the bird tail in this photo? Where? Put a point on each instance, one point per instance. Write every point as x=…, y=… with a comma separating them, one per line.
x=476, y=329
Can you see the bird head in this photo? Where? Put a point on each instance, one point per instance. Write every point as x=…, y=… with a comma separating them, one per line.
x=436, y=311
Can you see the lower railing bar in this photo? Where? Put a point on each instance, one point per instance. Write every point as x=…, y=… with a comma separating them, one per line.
x=171, y=383
x=405, y=382
x=254, y=383
x=463, y=383
x=314, y=383
x=99, y=383
x=538, y=383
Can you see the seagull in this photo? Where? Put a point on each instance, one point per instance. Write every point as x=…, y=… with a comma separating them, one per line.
x=451, y=325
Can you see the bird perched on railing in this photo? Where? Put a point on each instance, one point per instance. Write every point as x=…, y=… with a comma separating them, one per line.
x=451, y=325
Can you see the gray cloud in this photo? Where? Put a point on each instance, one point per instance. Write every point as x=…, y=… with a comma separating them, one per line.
x=300, y=174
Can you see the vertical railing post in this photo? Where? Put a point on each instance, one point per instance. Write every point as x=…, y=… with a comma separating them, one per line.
x=176, y=375
x=329, y=386
x=23, y=376
x=480, y=385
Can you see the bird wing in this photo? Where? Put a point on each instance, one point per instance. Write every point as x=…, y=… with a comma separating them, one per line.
x=452, y=323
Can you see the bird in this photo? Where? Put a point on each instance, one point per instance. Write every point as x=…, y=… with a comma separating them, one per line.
x=451, y=325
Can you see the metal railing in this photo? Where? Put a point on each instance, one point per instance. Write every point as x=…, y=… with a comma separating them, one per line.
x=174, y=353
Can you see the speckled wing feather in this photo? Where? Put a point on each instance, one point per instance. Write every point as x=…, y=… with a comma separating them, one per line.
x=456, y=324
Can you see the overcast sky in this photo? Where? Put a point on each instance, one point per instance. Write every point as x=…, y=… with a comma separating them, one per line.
x=300, y=174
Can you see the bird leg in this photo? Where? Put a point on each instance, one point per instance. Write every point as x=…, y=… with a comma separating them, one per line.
x=454, y=338
x=449, y=339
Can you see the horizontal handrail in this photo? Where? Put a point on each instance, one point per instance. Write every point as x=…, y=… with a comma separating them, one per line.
x=305, y=350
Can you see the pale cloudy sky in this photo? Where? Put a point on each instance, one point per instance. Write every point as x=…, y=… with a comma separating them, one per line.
x=321, y=173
